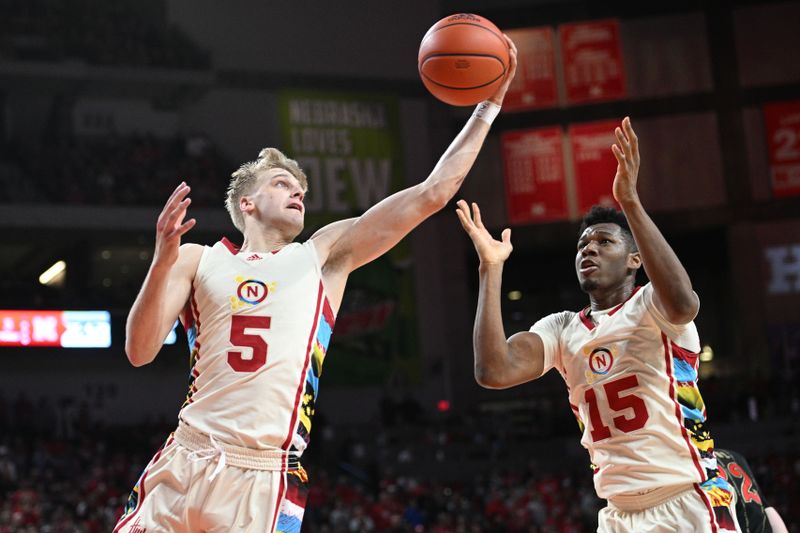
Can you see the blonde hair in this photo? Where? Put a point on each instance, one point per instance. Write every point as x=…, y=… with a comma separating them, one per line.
x=243, y=181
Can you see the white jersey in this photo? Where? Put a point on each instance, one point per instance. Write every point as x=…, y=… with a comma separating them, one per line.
x=259, y=326
x=632, y=381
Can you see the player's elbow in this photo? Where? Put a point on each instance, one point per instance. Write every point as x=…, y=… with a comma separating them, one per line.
x=489, y=379
x=435, y=197
x=136, y=355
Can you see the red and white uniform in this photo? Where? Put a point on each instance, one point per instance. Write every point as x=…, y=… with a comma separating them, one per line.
x=259, y=325
x=631, y=377
x=254, y=319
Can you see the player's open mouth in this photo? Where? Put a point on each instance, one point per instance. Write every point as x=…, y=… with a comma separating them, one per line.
x=587, y=267
x=298, y=207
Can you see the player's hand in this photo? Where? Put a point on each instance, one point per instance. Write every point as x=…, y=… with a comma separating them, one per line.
x=497, y=97
x=171, y=227
x=490, y=251
x=626, y=150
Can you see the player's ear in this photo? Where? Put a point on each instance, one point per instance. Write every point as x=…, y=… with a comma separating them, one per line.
x=634, y=260
x=246, y=204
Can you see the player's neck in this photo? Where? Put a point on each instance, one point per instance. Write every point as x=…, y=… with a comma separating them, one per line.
x=264, y=241
x=606, y=298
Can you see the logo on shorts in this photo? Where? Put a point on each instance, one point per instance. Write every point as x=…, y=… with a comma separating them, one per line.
x=600, y=361
x=250, y=292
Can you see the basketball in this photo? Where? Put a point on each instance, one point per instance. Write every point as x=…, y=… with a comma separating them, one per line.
x=463, y=59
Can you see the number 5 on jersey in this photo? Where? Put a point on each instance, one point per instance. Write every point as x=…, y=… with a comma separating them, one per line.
x=617, y=403
x=239, y=337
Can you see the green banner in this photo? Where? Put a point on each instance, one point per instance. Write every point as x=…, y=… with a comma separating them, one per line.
x=349, y=145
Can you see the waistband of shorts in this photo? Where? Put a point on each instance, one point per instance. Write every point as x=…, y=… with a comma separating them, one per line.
x=632, y=502
x=271, y=459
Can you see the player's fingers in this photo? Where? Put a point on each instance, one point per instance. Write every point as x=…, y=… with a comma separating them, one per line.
x=506, y=236
x=463, y=209
x=175, y=216
x=621, y=138
x=466, y=222
x=476, y=215
x=634, y=140
x=186, y=226
x=618, y=154
x=180, y=191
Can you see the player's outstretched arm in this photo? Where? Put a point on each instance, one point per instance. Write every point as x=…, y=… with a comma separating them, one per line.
x=166, y=288
x=673, y=293
x=499, y=363
x=386, y=223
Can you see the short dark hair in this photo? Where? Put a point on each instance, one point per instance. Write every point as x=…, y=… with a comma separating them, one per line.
x=601, y=215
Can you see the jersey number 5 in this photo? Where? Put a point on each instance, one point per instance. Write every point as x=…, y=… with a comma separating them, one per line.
x=617, y=403
x=239, y=323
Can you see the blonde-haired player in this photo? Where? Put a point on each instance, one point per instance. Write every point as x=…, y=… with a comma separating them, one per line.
x=259, y=319
x=629, y=361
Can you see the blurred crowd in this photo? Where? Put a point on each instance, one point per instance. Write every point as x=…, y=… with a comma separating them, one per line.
x=113, y=170
x=119, y=33
x=61, y=470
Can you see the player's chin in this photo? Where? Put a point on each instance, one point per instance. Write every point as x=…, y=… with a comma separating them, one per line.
x=588, y=285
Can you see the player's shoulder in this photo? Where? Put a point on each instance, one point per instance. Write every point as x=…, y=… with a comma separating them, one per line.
x=555, y=322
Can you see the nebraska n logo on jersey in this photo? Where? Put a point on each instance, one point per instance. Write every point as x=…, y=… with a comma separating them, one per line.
x=250, y=292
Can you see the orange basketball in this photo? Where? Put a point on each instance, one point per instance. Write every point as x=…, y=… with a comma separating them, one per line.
x=463, y=59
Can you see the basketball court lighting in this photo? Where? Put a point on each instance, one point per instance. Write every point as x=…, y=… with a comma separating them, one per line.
x=49, y=276
x=706, y=354
x=515, y=295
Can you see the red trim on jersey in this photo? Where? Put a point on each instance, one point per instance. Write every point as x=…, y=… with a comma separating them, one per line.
x=692, y=449
x=327, y=312
x=617, y=308
x=281, y=495
x=685, y=355
x=589, y=323
x=302, y=383
x=712, y=518
x=585, y=319
x=574, y=408
x=232, y=248
x=141, y=487
x=196, y=348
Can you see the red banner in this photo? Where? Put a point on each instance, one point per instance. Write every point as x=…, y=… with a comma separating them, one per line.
x=67, y=329
x=782, y=125
x=534, y=175
x=594, y=163
x=534, y=86
x=592, y=61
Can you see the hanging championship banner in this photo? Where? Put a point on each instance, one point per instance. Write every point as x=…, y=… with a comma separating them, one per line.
x=349, y=145
x=592, y=61
x=534, y=175
x=534, y=85
x=594, y=163
x=782, y=126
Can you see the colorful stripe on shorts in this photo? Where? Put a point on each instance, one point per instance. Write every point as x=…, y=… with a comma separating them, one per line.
x=293, y=506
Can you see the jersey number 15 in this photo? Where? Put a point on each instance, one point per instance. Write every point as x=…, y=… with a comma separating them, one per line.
x=617, y=403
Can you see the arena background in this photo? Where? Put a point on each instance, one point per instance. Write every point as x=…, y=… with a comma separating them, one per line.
x=106, y=106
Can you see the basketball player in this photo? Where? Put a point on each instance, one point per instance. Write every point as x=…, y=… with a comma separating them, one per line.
x=629, y=360
x=259, y=319
x=752, y=511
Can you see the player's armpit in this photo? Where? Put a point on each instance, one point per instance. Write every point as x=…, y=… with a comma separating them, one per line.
x=325, y=237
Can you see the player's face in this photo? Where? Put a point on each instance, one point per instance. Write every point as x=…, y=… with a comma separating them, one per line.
x=278, y=200
x=603, y=259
